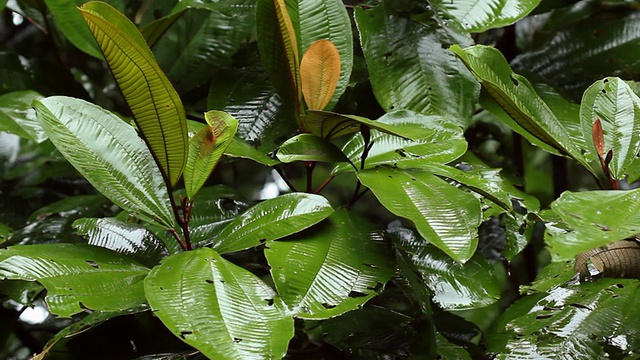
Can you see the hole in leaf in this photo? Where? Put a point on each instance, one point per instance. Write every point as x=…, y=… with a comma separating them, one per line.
x=161, y=288
x=328, y=306
x=543, y=316
x=580, y=306
x=262, y=241
x=209, y=281
x=373, y=266
x=269, y=302
x=356, y=294
x=236, y=340
x=401, y=152
x=515, y=81
x=620, y=286
x=183, y=334
x=93, y=264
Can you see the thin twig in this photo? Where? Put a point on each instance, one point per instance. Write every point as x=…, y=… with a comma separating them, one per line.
x=310, y=165
x=284, y=177
x=325, y=183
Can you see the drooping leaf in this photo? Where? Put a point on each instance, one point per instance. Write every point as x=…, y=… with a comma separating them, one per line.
x=440, y=142
x=518, y=98
x=590, y=320
x=239, y=148
x=278, y=40
x=328, y=20
x=592, y=219
x=17, y=116
x=443, y=214
x=272, y=219
x=409, y=65
x=125, y=238
x=480, y=16
x=155, y=29
x=108, y=153
x=70, y=22
x=77, y=276
x=319, y=74
x=332, y=270
x=221, y=309
x=206, y=149
x=156, y=106
x=309, y=147
x=331, y=125
x=617, y=107
x=21, y=291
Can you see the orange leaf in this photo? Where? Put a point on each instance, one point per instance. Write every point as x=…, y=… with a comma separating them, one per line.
x=598, y=138
x=319, y=73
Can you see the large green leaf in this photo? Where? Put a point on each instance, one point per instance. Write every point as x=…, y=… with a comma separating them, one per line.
x=592, y=219
x=17, y=116
x=77, y=276
x=409, y=65
x=309, y=147
x=107, y=152
x=272, y=219
x=593, y=320
x=70, y=22
x=616, y=105
x=517, y=97
x=221, y=309
x=482, y=15
x=206, y=149
x=608, y=48
x=443, y=214
x=441, y=142
x=125, y=238
x=328, y=19
x=156, y=106
x=332, y=270
x=239, y=148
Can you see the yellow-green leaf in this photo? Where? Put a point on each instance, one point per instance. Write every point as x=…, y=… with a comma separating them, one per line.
x=288, y=36
x=319, y=73
x=156, y=106
x=206, y=148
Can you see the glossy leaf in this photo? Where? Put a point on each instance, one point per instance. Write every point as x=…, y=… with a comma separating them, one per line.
x=331, y=125
x=109, y=154
x=77, y=276
x=272, y=219
x=409, y=65
x=229, y=7
x=441, y=142
x=308, y=147
x=128, y=239
x=319, y=74
x=239, y=148
x=206, y=149
x=480, y=16
x=221, y=309
x=616, y=105
x=278, y=41
x=518, y=97
x=443, y=214
x=332, y=270
x=17, y=116
x=328, y=20
x=70, y=22
x=591, y=320
x=592, y=218
x=156, y=106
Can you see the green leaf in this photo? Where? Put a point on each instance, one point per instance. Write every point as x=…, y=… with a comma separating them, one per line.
x=239, y=148
x=153, y=31
x=593, y=320
x=443, y=214
x=593, y=218
x=441, y=142
x=409, y=65
x=17, y=116
x=221, y=309
x=332, y=270
x=616, y=105
x=127, y=239
x=331, y=125
x=156, y=106
x=70, y=22
x=77, y=276
x=206, y=149
x=328, y=20
x=272, y=219
x=108, y=153
x=308, y=147
x=480, y=16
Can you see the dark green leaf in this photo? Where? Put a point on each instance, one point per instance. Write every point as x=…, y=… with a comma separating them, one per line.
x=479, y=16
x=410, y=67
x=272, y=219
x=308, y=147
x=78, y=276
x=107, y=152
x=221, y=309
x=17, y=116
x=239, y=148
x=443, y=214
x=154, y=30
x=72, y=25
